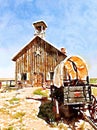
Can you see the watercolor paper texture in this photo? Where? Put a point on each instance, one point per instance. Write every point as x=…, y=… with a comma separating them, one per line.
x=44, y=46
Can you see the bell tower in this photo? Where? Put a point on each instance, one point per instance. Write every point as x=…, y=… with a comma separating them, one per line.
x=40, y=28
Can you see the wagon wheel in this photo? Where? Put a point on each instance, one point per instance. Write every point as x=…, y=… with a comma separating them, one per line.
x=95, y=113
x=93, y=108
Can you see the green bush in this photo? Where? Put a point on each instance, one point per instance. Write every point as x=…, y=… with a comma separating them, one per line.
x=46, y=112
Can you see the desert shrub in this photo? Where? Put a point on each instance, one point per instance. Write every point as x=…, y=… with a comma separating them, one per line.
x=41, y=92
x=46, y=112
x=13, y=100
x=18, y=115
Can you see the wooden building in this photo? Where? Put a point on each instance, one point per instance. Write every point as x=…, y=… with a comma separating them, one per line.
x=7, y=82
x=35, y=62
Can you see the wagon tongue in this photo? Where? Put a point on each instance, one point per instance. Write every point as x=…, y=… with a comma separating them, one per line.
x=77, y=94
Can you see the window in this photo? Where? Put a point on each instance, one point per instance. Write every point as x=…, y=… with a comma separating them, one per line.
x=24, y=76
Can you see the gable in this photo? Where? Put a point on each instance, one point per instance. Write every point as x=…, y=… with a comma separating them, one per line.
x=36, y=41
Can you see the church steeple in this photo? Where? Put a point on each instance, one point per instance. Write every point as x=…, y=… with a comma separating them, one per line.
x=40, y=28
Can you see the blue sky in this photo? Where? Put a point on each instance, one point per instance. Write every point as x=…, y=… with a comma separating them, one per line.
x=71, y=24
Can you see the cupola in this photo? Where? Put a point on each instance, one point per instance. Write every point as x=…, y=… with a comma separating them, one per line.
x=40, y=28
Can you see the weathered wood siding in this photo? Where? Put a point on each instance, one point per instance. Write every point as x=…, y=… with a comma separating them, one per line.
x=37, y=60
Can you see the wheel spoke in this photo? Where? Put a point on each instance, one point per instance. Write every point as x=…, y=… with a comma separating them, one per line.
x=93, y=108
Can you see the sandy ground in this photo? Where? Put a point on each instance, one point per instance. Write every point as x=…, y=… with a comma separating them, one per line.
x=19, y=113
x=27, y=109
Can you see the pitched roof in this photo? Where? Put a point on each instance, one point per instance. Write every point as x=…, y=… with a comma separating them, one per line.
x=40, y=23
x=22, y=51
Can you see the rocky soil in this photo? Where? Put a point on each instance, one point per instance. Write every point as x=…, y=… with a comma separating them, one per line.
x=19, y=113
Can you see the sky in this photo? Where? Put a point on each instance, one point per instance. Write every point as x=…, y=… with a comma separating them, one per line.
x=72, y=24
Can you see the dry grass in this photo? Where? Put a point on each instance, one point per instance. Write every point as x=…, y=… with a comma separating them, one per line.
x=19, y=113
x=94, y=91
x=40, y=91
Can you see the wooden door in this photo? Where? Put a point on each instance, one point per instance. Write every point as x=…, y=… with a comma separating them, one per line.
x=37, y=80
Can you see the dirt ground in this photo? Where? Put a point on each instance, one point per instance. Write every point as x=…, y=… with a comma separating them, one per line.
x=19, y=113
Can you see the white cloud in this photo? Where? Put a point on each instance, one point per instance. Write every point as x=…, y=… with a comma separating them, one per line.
x=71, y=24
x=6, y=65
x=7, y=72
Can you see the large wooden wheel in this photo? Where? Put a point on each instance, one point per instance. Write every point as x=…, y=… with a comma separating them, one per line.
x=93, y=108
